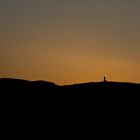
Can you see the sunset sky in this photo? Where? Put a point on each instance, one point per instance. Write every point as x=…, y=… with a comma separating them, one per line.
x=70, y=41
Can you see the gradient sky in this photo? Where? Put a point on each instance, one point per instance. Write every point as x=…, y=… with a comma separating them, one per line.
x=70, y=41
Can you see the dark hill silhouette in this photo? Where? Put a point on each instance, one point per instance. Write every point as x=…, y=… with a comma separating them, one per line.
x=17, y=87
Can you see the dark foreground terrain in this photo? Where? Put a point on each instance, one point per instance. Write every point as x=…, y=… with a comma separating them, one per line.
x=16, y=87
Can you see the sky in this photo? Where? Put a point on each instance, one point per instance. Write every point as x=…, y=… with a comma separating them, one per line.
x=70, y=41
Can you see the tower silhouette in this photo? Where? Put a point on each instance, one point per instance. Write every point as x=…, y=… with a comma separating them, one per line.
x=105, y=79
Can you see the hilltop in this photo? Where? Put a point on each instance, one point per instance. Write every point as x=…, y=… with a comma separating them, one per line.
x=19, y=87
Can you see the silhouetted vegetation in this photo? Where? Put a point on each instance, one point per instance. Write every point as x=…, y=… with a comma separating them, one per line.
x=16, y=87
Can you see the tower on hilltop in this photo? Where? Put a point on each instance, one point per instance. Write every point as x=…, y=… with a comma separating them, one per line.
x=105, y=79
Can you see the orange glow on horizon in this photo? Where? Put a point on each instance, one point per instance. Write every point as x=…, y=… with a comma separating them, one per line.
x=70, y=42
